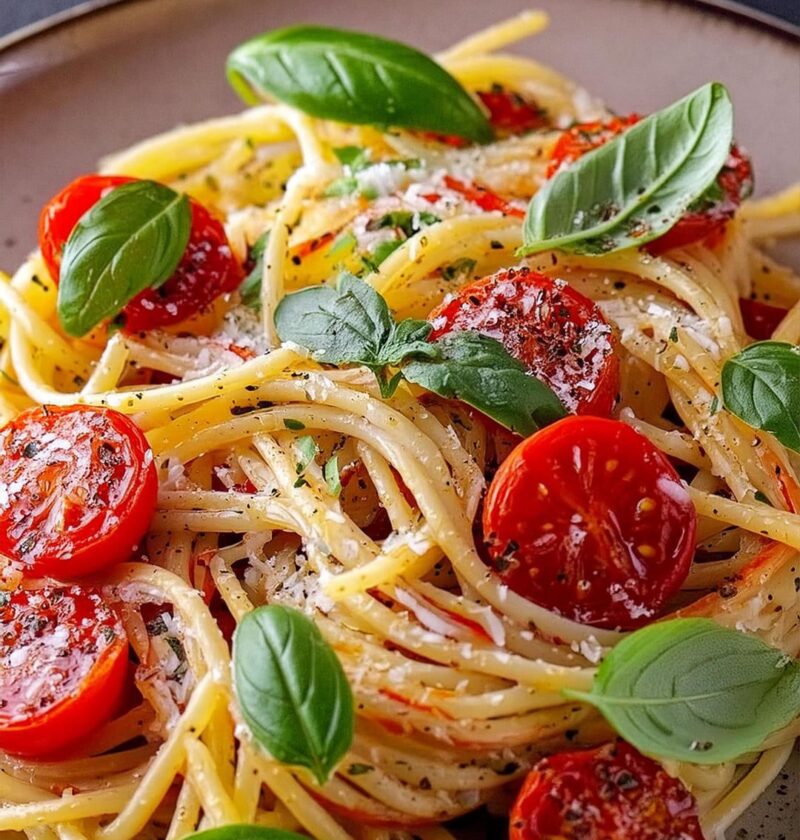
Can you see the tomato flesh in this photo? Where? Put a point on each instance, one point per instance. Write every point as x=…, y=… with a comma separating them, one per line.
x=556, y=332
x=609, y=793
x=735, y=182
x=761, y=319
x=588, y=519
x=206, y=270
x=78, y=488
x=63, y=662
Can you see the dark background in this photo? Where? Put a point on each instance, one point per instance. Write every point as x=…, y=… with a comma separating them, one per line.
x=17, y=13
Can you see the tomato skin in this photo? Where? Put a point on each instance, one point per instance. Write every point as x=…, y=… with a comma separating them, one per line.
x=609, y=793
x=483, y=197
x=735, y=182
x=79, y=488
x=760, y=319
x=206, y=270
x=72, y=677
x=545, y=324
x=588, y=519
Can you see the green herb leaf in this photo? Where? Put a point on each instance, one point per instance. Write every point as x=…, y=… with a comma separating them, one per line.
x=130, y=240
x=349, y=324
x=635, y=187
x=690, y=690
x=292, y=690
x=479, y=371
x=332, y=477
x=372, y=261
x=404, y=220
x=461, y=269
x=250, y=290
x=761, y=385
x=308, y=450
x=359, y=769
x=294, y=425
x=355, y=78
x=356, y=157
x=244, y=832
x=341, y=186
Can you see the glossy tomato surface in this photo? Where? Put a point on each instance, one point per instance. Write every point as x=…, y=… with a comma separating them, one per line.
x=734, y=183
x=207, y=269
x=510, y=112
x=761, y=319
x=556, y=332
x=609, y=793
x=63, y=661
x=78, y=488
x=588, y=519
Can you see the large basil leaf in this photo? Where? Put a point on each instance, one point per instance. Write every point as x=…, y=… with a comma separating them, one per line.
x=690, y=690
x=635, y=187
x=355, y=78
x=292, y=690
x=245, y=832
x=130, y=240
x=349, y=324
x=761, y=385
x=479, y=371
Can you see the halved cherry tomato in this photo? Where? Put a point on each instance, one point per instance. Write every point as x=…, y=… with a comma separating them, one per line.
x=77, y=489
x=735, y=182
x=609, y=793
x=207, y=269
x=63, y=661
x=558, y=333
x=483, y=197
x=760, y=319
x=588, y=519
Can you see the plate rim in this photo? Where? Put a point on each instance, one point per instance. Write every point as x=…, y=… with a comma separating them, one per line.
x=777, y=27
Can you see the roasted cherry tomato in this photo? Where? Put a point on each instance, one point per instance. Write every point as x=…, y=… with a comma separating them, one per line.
x=63, y=660
x=77, y=489
x=557, y=332
x=735, y=182
x=483, y=197
x=588, y=519
x=760, y=319
x=609, y=793
x=207, y=269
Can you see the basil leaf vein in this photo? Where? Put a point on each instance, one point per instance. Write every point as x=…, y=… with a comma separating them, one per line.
x=292, y=690
x=130, y=240
x=691, y=690
x=761, y=385
x=356, y=78
x=637, y=186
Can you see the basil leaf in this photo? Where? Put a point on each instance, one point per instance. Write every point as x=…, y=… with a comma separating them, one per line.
x=690, y=690
x=292, y=690
x=245, y=832
x=479, y=371
x=350, y=324
x=332, y=477
x=406, y=221
x=356, y=157
x=635, y=187
x=250, y=290
x=130, y=240
x=761, y=385
x=308, y=450
x=372, y=261
x=355, y=78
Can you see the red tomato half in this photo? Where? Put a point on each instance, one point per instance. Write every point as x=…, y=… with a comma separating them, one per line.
x=760, y=319
x=610, y=793
x=588, y=519
x=77, y=489
x=735, y=182
x=558, y=333
x=207, y=269
x=63, y=660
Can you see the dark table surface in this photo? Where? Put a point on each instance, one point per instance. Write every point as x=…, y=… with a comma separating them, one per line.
x=17, y=13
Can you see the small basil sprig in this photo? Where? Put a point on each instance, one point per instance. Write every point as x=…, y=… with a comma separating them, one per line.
x=292, y=690
x=130, y=240
x=357, y=78
x=351, y=324
x=761, y=385
x=690, y=690
x=250, y=290
x=637, y=186
x=245, y=832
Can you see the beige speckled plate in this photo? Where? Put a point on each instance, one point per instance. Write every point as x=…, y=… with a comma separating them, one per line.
x=91, y=84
